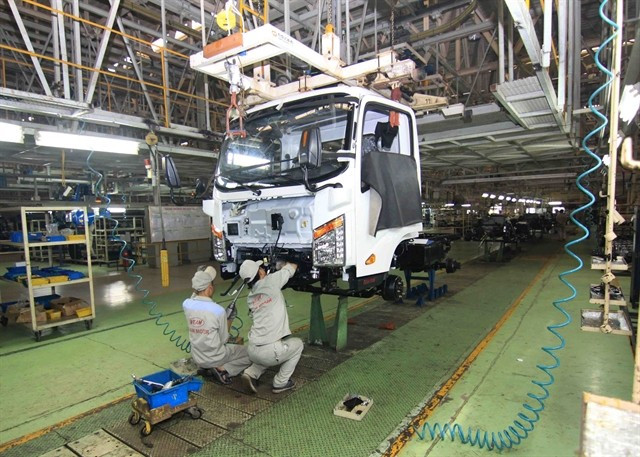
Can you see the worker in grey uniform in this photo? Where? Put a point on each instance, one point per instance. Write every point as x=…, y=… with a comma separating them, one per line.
x=270, y=343
x=561, y=224
x=209, y=331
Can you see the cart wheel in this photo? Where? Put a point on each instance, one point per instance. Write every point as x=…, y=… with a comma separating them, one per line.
x=88, y=324
x=146, y=429
x=38, y=335
x=195, y=412
x=134, y=418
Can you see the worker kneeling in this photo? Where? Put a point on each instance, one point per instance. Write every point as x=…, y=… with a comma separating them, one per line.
x=270, y=343
x=209, y=331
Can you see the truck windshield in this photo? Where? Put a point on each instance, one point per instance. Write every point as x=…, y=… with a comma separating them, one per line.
x=278, y=142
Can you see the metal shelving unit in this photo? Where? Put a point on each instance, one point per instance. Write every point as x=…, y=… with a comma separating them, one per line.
x=35, y=326
x=103, y=231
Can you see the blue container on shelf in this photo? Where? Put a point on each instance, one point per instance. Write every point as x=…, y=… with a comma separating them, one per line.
x=173, y=396
x=16, y=237
x=56, y=238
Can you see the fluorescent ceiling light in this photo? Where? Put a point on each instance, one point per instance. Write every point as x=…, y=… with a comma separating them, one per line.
x=492, y=196
x=448, y=204
x=111, y=210
x=466, y=205
x=11, y=133
x=485, y=195
x=501, y=197
x=555, y=203
x=86, y=142
x=156, y=45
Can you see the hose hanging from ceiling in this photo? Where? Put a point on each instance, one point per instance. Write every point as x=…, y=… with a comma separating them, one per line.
x=525, y=422
x=180, y=342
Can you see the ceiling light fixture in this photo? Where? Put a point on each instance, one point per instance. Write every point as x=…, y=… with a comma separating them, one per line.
x=11, y=133
x=86, y=142
x=485, y=195
x=501, y=197
x=555, y=203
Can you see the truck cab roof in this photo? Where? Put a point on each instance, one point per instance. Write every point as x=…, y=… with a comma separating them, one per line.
x=341, y=89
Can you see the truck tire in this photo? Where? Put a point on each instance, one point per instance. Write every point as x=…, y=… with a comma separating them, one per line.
x=392, y=288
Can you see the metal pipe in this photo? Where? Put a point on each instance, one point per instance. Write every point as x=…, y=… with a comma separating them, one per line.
x=165, y=75
x=62, y=42
x=547, y=36
x=205, y=78
x=500, y=42
x=570, y=59
x=56, y=47
x=77, y=54
x=287, y=17
x=339, y=24
x=102, y=50
x=375, y=27
x=562, y=53
x=614, y=98
x=136, y=68
x=361, y=31
x=348, y=25
x=27, y=42
x=510, y=47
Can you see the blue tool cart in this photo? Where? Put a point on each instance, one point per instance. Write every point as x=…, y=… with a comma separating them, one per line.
x=160, y=396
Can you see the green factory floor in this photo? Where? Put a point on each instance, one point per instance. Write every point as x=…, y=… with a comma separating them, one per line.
x=76, y=371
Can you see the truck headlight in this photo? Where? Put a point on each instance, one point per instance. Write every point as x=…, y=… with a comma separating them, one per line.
x=328, y=243
x=219, y=248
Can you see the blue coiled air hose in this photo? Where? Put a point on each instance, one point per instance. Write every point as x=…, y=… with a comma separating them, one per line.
x=519, y=430
x=180, y=342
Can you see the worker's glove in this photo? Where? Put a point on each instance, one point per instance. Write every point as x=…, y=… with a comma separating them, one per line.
x=231, y=312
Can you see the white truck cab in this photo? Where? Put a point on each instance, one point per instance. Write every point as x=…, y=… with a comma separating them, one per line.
x=330, y=180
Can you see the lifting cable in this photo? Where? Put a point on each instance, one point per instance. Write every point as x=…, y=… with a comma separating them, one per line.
x=519, y=430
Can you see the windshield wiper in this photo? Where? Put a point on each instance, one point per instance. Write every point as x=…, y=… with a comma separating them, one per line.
x=240, y=184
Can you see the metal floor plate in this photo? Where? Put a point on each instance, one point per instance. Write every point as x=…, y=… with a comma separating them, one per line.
x=101, y=444
x=198, y=432
x=159, y=444
x=60, y=452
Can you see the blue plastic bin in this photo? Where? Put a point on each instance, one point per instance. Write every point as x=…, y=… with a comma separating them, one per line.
x=56, y=238
x=173, y=396
x=16, y=237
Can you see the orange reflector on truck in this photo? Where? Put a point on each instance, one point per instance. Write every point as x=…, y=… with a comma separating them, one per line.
x=370, y=260
x=216, y=232
x=331, y=225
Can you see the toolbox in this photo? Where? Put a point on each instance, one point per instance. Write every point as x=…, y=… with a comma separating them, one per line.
x=158, y=399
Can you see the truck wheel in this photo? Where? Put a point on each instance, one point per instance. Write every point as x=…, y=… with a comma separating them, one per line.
x=393, y=288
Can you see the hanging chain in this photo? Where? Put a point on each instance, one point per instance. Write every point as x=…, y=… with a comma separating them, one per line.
x=330, y=12
x=393, y=25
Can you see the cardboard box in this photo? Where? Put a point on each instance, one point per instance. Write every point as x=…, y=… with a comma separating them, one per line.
x=13, y=311
x=68, y=305
x=25, y=316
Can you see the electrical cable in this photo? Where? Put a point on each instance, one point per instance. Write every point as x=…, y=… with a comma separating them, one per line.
x=519, y=430
x=179, y=341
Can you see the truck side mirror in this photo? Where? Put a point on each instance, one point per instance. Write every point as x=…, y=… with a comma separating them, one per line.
x=310, y=147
